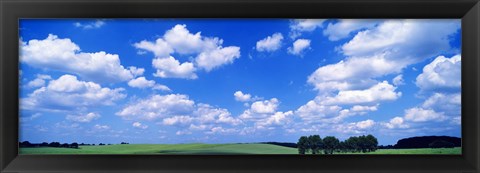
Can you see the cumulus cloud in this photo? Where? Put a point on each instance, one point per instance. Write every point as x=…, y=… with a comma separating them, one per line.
x=91, y=25
x=270, y=44
x=240, y=96
x=209, y=114
x=177, y=120
x=382, y=91
x=141, y=82
x=299, y=46
x=344, y=27
x=39, y=81
x=445, y=102
x=215, y=58
x=161, y=87
x=441, y=73
x=160, y=48
x=67, y=92
x=398, y=80
x=278, y=118
x=65, y=56
x=136, y=71
x=210, y=53
x=360, y=108
x=417, y=114
x=171, y=68
x=315, y=111
x=99, y=127
x=396, y=122
x=84, y=118
x=385, y=49
x=298, y=26
x=158, y=106
x=265, y=106
x=177, y=109
x=139, y=125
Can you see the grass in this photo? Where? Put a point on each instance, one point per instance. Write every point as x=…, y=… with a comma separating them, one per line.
x=206, y=149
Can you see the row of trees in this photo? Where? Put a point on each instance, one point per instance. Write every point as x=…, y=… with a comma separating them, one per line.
x=330, y=144
x=27, y=144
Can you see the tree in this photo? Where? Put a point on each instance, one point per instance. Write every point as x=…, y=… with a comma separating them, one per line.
x=330, y=143
x=74, y=145
x=441, y=144
x=316, y=143
x=303, y=145
x=372, y=143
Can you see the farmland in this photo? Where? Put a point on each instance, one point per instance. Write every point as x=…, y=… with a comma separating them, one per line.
x=210, y=149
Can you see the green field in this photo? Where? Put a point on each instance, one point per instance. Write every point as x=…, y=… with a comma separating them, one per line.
x=209, y=149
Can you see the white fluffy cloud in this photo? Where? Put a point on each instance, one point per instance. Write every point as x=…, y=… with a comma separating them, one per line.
x=99, y=127
x=298, y=26
x=83, y=118
x=92, y=25
x=314, y=111
x=160, y=48
x=413, y=40
x=396, y=122
x=136, y=71
x=270, y=44
x=278, y=118
x=175, y=120
x=422, y=115
x=39, y=81
x=384, y=49
x=398, y=80
x=64, y=55
x=171, y=68
x=450, y=103
x=299, y=46
x=141, y=82
x=359, y=108
x=176, y=109
x=441, y=73
x=161, y=87
x=265, y=106
x=208, y=114
x=352, y=73
x=344, y=27
x=215, y=58
x=67, y=92
x=210, y=53
x=382, y=91
x=139, y=125
x=158, y=106
x=240, y=96
x=365, y=124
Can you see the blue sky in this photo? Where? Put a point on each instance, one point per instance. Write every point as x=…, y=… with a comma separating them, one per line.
x=237, y=80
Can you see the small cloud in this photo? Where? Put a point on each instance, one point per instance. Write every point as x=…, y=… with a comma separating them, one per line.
x=270, y=44
x=139, y=125
x=299, y=46
x=91, y=25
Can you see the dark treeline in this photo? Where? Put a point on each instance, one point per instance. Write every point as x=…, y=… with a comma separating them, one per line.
x=283, y=144
x=330, y=144
x=429, y=142
x=27, y=144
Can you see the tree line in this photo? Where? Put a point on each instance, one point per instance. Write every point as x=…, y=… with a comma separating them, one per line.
x=27, y=144
x=315, y=144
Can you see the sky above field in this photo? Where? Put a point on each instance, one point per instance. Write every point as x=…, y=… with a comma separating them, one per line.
x=237, y=80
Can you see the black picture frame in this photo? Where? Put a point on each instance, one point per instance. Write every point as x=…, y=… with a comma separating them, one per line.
x=12, y=10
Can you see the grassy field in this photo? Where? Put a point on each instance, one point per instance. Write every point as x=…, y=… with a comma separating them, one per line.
x=210, y=149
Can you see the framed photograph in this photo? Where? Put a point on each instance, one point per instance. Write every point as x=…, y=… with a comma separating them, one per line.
x=239, y=86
